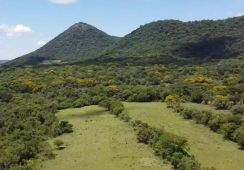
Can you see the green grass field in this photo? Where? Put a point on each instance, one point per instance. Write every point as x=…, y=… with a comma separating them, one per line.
x=101, y=142
x=208, y=147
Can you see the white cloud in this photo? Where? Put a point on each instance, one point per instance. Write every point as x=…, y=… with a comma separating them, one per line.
x=234, y=14
x=41, y=43
x=238, y=14
x=15, y=30
x=63, y=1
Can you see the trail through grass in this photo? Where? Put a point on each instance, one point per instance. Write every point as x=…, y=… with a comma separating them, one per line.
x=208, y=147
x=101, y=142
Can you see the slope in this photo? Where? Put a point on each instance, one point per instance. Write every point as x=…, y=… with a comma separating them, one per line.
x=78, y=43
x=172, y=41
x=208, y=147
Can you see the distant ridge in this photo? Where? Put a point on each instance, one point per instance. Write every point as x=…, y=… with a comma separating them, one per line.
x=3, y=61
x=161, y=42
x=173, y=41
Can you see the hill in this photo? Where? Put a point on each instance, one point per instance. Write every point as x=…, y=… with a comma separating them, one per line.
x=78, y=43
x=3, y=61
x=161, y=42
x=172, y=41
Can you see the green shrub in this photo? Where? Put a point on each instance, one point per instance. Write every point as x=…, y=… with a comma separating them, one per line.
x=61, y=128
x=167, y=144
x=221, y=102
x=197, y=97
x=125, y=116
x=228, y=129
x=215, y=123
x=238, y=109
x=187, y=113
x=30, y=165
x=114, y=106
x=202, y=117
x=239, y=135
x=59, y=144
x=176, y=159
x=146, y=134
x=187, y=163
x=137, y=125
x=117, y=108
x=65, y=127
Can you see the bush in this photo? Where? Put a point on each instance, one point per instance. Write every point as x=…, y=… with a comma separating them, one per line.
x=227, y=129
x=115, y=107
x=166, y=145
x=197, y=97
x=215, y=123
x=59, y=144
x=65, y=127
x=176, y=159
x=61, y=128
x=239, y=134
x=187, y=163
x=172, y=100
x=202, y=117
x=146, y=134
x=221, y=102
x=238, y=109
x=125, y=116
x=187, y=113
x=30, y=165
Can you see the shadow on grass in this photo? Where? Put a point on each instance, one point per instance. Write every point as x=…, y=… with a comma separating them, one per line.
x=88, y=114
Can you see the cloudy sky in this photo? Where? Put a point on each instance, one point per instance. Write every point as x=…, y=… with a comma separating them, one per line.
x=26, y=25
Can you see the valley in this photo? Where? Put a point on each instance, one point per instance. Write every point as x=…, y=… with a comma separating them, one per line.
x=101, y=142
x=168, y=95
x=99, y=137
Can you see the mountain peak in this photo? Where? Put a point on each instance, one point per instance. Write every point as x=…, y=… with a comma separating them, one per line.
x=81, y=26
x=78, y=43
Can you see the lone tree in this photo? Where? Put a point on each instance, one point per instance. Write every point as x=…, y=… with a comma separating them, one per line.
x=172, y=100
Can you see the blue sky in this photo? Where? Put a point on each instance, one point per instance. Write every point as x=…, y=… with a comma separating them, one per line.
x=26, y=25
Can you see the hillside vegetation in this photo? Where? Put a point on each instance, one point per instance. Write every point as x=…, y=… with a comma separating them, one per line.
x=78, y=43
x=3, y=61
x=173, y=41
x=161, y=42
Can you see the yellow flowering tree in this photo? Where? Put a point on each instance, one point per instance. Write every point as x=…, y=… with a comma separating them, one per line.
x=172, y=100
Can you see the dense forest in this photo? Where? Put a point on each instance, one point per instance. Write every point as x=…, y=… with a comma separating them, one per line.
x=172, y=61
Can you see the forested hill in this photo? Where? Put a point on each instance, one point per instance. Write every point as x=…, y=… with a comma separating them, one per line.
x=78, y=43
x=172, y=41
x=3, y=61
x=161, y=42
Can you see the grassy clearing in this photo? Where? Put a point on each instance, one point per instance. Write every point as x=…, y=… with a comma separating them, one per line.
x=101, y=142
x=208, y=147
